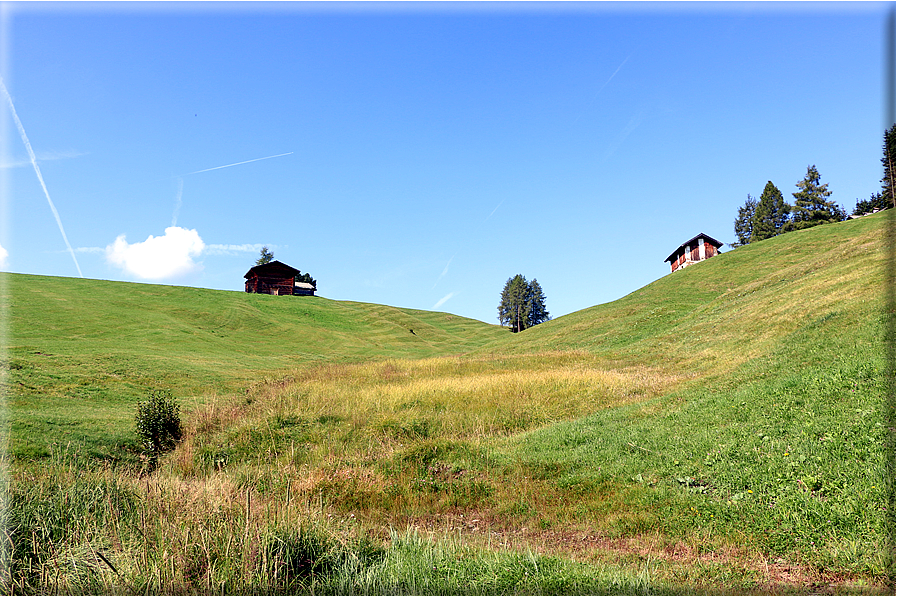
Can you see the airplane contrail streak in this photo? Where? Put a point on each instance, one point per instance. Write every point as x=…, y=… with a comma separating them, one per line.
x=493, y=211
x=613, y=75
x=240, y=163
x=443, y=300
x=444, y=271
x=177, y=202
x=37, y=171
x=606, y=83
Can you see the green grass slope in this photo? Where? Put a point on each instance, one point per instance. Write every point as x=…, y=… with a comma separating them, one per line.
x=81, y=352
x=779, y=431
x=729, y=425
x=739, y=305
x=738, y=407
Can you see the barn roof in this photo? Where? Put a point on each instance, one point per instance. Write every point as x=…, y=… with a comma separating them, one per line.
x=272, y=269
x=706, y=238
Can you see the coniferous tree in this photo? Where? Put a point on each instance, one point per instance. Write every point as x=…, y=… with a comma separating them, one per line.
x=885, y=198
x=876, y=201
x=537, y=311
x=811, y=204
x=888, y=183
x=522, y=304
x=771, y=214
x=265, y=256
x=306, y=278
x=744, y=222
x=512, y=308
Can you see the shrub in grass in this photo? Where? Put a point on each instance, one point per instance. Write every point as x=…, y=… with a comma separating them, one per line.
x=158, y=424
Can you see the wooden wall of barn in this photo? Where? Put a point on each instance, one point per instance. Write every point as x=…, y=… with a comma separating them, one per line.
x=694, y=254
x=268, y=285
x=678, y=262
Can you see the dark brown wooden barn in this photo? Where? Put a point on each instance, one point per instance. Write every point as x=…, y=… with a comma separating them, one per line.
x=697, y=249
x=278, y=279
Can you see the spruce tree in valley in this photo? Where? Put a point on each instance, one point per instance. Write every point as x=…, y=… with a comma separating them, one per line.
x=522, y=304
x=771, y=214
x=537, y=311
x=744, y=222
x=512, y=308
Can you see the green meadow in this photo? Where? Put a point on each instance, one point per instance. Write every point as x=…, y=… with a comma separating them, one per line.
x=728, y=428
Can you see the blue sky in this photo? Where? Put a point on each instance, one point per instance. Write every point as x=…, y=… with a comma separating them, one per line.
x=419, y=155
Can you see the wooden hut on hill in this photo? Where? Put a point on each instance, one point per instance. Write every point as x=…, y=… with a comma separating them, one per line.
x=278, y=279
x=697, y=249
x=301, y=288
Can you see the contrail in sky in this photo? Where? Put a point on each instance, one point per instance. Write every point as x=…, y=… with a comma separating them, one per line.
x=633, y=124
x=37, y=171
x=613, y=75
x=239, y=163
x=444, y=271
x=443, y=300
x=493, y=211
x=594, y=97
x=177, y=202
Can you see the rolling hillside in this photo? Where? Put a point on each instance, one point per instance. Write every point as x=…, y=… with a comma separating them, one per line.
x=76, y=343
x=82, y=352
x=741, y=304
x=729, y=425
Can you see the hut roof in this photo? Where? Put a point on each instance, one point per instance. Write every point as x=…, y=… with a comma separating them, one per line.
x=706, y=238
x=272, y=269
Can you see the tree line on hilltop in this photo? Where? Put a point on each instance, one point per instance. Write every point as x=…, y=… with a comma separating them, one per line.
x=772, y=215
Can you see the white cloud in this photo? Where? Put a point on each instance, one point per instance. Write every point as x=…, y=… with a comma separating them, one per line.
x=159, y=257
x=230, y=249
x=4, y=256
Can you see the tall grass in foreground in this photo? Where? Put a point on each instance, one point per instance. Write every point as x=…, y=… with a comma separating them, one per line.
x=72, y=531
x=77, y=532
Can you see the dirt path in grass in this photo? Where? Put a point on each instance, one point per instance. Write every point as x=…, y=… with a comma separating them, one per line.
x=674, y=562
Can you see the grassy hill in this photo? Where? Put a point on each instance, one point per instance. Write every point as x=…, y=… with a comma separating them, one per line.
x=740, y=305
x=82, y=352
x=779, y=410
x=727, y=426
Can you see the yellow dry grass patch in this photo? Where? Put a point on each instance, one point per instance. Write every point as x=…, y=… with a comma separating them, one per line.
x=470, y=396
